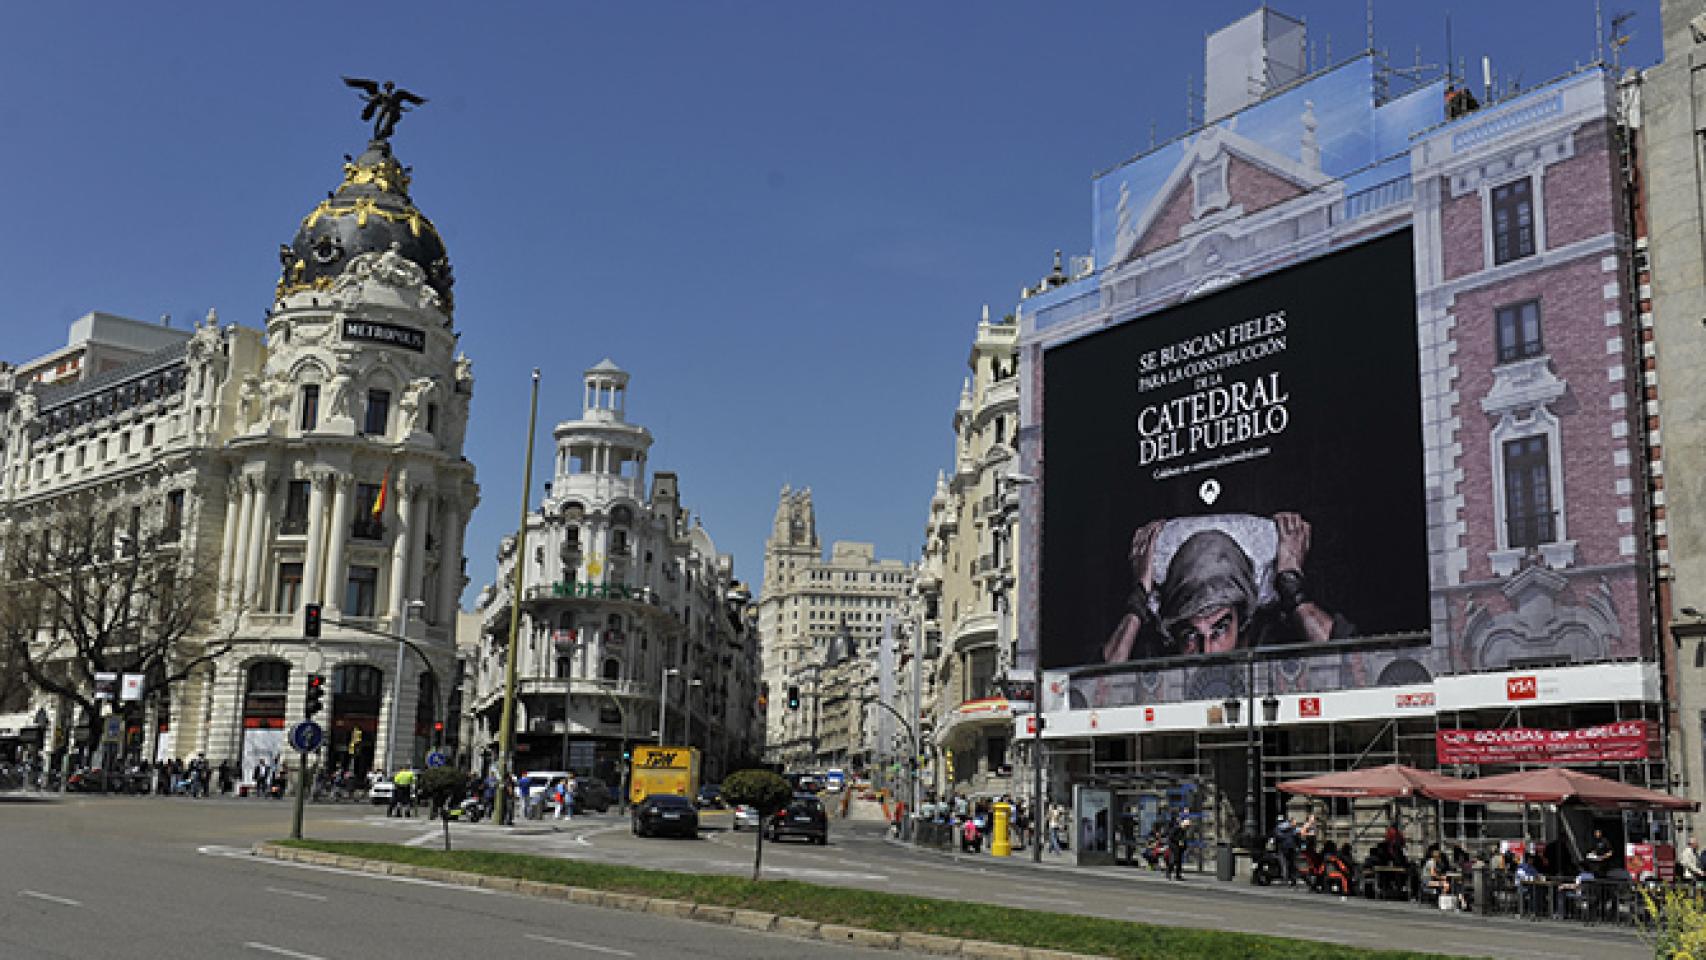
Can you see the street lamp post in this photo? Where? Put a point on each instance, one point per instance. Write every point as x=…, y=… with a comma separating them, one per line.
x=687, y=711
x=663, y=699
x=502, y=811
x=409, y=609
x=1004, y=482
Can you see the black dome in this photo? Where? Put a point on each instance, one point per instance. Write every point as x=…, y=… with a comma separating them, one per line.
x=369, y=213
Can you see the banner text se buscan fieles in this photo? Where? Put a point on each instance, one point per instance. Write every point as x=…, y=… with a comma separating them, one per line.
x=1215, y=414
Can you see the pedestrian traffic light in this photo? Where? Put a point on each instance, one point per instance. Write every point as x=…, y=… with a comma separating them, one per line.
x=315, y=701
x=793, y=698
x=311, y=621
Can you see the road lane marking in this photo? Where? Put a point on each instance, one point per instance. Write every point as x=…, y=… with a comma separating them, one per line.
x=295, y=893
x=1175, y=913
x=50, y=898
x=579, y=945
x=423, y=839
x=269, y=948
x=238, y=853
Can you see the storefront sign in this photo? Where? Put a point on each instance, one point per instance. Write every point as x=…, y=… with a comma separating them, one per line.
x=603, y=591
x=1309, y=707
x=388, y=334
x=1624, y=740
x=130, y=687
x=1522, y=688
x=1412, y=701
x=106, y=684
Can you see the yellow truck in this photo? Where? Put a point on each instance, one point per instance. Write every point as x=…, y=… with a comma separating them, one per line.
x=664, y=770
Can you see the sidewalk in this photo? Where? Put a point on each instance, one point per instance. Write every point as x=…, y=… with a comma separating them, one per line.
x=1204, y=882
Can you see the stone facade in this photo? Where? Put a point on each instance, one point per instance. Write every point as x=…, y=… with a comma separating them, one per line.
x=624, y=600
x=820, y=623
x=317, y=461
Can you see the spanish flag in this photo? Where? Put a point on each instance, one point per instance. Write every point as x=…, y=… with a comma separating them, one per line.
x=379, y=500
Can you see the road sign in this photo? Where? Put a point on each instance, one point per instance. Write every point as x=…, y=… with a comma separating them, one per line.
x=437, y=759
x=114, y=730
x=306, y=736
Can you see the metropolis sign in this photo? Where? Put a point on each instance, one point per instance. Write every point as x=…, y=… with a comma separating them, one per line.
x=388, y=334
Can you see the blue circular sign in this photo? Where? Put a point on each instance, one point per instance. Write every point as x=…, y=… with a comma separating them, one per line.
x=307, y=736
x=437, y=759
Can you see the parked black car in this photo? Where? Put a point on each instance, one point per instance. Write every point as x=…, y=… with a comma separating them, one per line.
x=804, y=817
x=666, y=813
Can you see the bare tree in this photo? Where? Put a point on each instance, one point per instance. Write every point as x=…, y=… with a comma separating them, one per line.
x=84, y=591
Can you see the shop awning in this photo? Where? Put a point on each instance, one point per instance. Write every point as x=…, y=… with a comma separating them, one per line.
x=1559, y=785
x=1392, y=780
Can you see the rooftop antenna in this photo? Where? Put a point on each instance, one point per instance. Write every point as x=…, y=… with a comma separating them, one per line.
x=1370, y=26
x=1152, y=133
x=1190, y=100
x=1598, y=32
x=1450, y=77
x=1487, y=79
x=1619, y=38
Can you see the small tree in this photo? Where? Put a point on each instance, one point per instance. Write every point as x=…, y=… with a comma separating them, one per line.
x=762, y=790
x=85, y=590
x=440, y=786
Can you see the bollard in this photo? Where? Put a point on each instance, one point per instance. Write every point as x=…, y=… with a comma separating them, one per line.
x=1483, y=889
x=1000, y=844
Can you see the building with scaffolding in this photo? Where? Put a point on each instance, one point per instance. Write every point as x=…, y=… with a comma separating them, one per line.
x=1340, y=452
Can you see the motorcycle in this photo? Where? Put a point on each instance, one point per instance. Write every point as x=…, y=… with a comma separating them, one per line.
x=470, y=810
x=1265, y=865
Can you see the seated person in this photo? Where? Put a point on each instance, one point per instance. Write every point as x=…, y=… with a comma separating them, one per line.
x=1335, y=871
x=1573, y=893
x=1526, y=875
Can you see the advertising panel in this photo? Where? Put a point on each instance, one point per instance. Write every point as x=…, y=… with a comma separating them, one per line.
x=1093, y=827
x=1243, y=470
x=1621, y=741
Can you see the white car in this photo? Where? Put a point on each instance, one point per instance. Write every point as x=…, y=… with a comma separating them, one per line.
x=747, y=816
x=381, y=792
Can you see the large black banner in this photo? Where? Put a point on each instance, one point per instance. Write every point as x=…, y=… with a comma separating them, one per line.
x=1241, y=470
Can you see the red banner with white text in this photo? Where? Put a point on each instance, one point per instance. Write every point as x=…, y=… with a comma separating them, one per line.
x=1623, y=740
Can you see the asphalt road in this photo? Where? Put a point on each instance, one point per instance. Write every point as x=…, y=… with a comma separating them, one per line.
x=70, y=839
x=146, y=878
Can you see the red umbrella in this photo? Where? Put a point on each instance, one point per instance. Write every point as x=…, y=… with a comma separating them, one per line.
x=1560, y=785
x=1392, y=780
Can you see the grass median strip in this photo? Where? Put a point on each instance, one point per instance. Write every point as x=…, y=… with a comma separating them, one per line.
x=873, y=910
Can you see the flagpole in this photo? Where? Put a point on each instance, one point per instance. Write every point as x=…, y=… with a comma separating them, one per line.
x=506, y=730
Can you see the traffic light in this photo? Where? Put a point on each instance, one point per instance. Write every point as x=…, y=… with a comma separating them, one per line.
x=438, y=732
x=316, y=700
x=311, y=621
x=793, y=698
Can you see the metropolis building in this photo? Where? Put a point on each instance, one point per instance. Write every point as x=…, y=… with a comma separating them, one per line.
x=315, y=461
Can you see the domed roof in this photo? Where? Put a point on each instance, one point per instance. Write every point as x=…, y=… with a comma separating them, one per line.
x=370, y=212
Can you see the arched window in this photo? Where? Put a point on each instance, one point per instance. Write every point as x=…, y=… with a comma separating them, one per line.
x=612, y=669
x=264, y=693
x=358, y=680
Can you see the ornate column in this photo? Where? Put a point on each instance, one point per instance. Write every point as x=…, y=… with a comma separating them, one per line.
x=337, y=538
x=402, y=548
x=228, y=540
x=415, y=585
x=449, y=564
x=240, y=548
x=319, y=482
x=252, y=573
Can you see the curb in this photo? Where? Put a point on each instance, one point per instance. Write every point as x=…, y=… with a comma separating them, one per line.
x=755, y=920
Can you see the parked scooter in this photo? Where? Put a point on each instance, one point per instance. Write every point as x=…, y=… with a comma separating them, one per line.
x=1265, y=865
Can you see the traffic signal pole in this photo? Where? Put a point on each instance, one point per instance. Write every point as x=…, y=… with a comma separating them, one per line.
x=301, y=795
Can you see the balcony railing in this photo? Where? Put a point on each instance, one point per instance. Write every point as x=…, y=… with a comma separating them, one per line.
x=292, y=526
x=365, y=528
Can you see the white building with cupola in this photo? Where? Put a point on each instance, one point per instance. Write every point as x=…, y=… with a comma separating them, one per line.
x=632, y=627
x=317, y=460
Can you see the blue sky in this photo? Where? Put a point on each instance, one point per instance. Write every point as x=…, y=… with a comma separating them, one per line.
x=782, y=218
